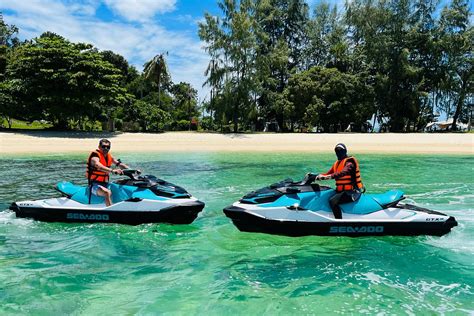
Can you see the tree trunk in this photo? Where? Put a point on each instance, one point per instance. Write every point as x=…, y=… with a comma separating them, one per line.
x=9, y=121
x=111, y=125
x=462, y=96
x=280, y=119
x=61, y=123
x=236, y=118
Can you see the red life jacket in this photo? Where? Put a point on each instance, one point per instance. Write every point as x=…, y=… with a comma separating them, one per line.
x=350, y=181
x=94, y=174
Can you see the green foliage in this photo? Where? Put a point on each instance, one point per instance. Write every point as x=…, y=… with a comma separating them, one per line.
x=18, y=124
x=232, y=42
x=270, y=60
x=457, y=44
x=208, y=124
x=149, y=116
x=58, y=80
x=182, y=125
x=329, y=98
x=400, y=60
x=184, y=102
x=73, y=85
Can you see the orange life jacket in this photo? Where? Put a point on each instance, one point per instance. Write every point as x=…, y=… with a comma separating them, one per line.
x=350, y=181
x=94, y=174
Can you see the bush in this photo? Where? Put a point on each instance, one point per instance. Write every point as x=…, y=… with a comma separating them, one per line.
x=207, y=124
x=119, y=124
x=131, y=127
x=182, y=125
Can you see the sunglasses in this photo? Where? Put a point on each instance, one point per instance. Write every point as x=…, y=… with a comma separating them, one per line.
x=105, y=147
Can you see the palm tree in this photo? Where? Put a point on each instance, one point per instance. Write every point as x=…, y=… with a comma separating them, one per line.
x=156, y=70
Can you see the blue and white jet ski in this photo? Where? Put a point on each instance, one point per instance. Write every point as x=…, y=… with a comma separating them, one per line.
x=302, y=208
x=136, y=200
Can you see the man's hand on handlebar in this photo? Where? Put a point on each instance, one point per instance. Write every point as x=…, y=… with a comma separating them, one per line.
x=323, y=177
x=117, y=171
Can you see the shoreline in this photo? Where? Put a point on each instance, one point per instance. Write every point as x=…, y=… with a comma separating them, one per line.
x=48, y=142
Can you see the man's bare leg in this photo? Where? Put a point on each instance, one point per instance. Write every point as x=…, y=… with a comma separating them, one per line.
x=102, y=191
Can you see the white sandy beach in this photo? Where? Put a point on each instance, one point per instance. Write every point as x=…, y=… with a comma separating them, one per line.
x=69, y=142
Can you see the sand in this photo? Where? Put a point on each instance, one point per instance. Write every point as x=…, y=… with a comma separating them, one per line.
x=45, y=142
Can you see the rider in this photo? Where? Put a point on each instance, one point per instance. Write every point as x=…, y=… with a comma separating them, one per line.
x=98, y=168
x=348, y=182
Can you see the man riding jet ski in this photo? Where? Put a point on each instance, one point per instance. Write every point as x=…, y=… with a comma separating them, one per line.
x=99, y=166
x=135, y=200
x=349, y=185
x=305, y=208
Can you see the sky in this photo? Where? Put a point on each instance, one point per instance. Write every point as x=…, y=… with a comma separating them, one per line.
x=135, y=29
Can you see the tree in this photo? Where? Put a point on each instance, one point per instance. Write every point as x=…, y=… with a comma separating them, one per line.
x=281, y=36
x=119, y=63
x=425, y=54
x=329, y=98
x=319, y=29
x=457, y=38
x=380, y=31
x=184, y=102
x=150, y=117
x=8, y=40
x=156, y=71
x=59, y=80
x=233, y=40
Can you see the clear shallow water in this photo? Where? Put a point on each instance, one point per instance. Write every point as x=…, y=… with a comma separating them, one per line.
x=210, y=267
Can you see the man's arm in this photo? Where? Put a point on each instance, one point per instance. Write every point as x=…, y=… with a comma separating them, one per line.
x=120, y=164
x=327, y=175
x=95, y=161
x=348, y=169
x=330, y=172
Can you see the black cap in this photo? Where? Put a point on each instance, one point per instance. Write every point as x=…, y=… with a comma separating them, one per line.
x=341, y=151
x=340, y=146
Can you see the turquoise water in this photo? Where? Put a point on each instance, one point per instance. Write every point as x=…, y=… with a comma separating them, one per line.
x=209, y=267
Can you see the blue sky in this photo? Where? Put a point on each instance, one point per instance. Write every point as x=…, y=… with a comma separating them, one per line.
x=136, y=29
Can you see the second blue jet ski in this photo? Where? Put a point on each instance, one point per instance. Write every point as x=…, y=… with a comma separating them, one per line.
x=302, y=208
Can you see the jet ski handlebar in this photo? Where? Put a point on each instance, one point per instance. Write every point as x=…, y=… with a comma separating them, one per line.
x=132, y=173
x=309, y=178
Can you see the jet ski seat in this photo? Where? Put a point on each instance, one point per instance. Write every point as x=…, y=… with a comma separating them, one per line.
x=67, y=188
x=81, y=194
x=389, y=198
x=78, y=193
x=369, y=203
x=119, y=193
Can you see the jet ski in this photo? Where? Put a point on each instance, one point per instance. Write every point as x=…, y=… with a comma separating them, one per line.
x=136, y=200
x=302, y=208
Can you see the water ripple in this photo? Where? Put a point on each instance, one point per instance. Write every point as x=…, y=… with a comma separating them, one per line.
x=210, y=267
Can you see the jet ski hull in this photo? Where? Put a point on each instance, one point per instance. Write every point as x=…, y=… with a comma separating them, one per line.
x=184, y=213
x=251, y=222
x=135, y=200
x=302, y=208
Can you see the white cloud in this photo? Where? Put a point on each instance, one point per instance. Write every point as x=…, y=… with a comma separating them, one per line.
x=137, y=42
x=86, y=7
x=140, y=10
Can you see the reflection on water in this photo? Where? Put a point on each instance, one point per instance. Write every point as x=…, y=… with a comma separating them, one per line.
x=210, y=267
